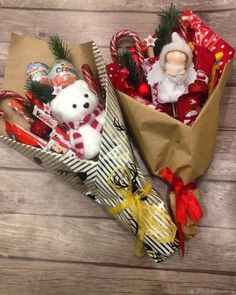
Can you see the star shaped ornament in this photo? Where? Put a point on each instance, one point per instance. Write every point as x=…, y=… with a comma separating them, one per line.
x=150, y=41
x=57, y=89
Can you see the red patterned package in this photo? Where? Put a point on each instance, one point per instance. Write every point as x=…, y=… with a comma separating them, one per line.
x=189, y=106
x=195, y=30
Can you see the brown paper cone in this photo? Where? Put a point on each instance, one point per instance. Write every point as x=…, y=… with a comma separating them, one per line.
x=165, y=142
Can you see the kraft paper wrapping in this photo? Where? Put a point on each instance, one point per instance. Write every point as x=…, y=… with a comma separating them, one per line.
x=165, y=142
x=114, y=179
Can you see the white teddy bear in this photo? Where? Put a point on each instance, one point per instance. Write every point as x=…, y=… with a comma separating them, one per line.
x=79, y=107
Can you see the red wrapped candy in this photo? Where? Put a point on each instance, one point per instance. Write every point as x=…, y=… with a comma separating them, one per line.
x=189, y=106
x=203, y=62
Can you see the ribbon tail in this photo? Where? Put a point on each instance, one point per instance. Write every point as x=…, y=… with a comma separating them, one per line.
x=181, y=237
x=194, y=209
x=139, y=249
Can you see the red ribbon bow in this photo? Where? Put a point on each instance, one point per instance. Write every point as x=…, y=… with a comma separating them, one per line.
x=186, y=202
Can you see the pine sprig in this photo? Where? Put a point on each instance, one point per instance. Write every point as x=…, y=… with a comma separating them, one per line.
x=126, y=60
x=169, y=20
x=42, y=91
x=29, y=108
x=59, y=49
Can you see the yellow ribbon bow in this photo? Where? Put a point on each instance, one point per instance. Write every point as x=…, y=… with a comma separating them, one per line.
x=152, y=219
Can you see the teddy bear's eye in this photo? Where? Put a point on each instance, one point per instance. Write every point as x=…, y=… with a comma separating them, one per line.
x=86, y=95
x=74, y=106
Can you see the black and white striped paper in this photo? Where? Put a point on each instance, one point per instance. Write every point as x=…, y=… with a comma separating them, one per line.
x=92, y=177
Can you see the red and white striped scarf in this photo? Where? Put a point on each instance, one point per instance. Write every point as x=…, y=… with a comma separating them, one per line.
x=87, y=119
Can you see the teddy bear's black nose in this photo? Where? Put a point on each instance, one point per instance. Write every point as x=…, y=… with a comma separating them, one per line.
x=86, y=105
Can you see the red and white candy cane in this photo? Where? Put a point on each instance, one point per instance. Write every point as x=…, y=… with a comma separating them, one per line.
x=130, y=35
x=90, y=79
x=10, y=94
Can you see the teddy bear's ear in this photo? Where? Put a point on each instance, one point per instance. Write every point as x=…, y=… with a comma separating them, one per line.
x=81, y=84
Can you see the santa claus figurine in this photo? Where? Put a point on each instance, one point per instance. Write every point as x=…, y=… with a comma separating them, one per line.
x=173, y=72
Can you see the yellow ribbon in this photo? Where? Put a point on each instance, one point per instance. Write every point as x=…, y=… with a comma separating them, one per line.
x=148, y=216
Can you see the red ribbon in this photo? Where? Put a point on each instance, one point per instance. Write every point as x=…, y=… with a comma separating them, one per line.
x=186, y=202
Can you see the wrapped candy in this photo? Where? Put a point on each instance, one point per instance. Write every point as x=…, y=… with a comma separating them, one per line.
x=189, y=106
x=62, y=74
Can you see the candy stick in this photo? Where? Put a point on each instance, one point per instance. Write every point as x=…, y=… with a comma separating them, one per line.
x=90, y=79
x=174, y=109
x=150, y=42
x=137, y=44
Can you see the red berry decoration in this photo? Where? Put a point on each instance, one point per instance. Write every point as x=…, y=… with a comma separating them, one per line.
x=144, y=90
x=40, y=129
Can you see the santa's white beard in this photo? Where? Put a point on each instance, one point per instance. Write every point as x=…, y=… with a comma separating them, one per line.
x=174, y=68
x=170, y=88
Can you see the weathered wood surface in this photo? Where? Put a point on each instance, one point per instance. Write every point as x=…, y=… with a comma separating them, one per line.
x=122, y=5
x=39, y=277
x=55, y=241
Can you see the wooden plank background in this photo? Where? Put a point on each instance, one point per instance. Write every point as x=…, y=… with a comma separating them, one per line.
x=54, y=241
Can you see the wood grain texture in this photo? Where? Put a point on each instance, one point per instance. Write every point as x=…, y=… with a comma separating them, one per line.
x=40, y=278
x=122, y=5
x=78, y=26
x=89, y=240
x=26, y=195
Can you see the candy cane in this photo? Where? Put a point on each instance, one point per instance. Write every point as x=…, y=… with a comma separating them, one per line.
x=12, y=94
x=90, y=79
x=126, y=34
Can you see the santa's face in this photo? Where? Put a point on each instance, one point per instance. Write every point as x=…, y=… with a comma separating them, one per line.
x=176, y=57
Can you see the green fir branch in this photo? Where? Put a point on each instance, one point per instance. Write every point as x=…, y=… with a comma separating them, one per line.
x=59, y=49
x=126, y=60
x=29, y=108
x=44, y=92
x=169, y=21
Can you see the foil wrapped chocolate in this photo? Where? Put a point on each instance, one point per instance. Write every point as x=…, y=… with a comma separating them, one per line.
x=62, y=74
x=37, y=71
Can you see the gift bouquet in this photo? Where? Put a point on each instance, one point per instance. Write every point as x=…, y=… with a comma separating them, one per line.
x=169, y=87
x=62, y=112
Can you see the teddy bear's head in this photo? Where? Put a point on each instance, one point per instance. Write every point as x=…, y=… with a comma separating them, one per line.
x=74, y=102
